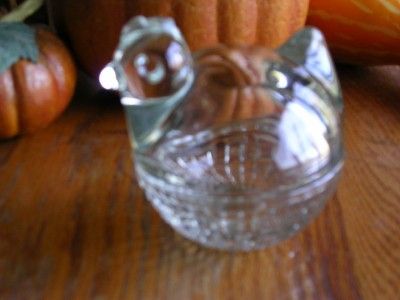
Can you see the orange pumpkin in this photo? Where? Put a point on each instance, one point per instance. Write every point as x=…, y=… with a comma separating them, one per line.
x=359, y=31
x=34, y=94
x=93, y=26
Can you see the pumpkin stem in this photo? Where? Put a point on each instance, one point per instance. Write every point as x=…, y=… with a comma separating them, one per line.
x=23, y=11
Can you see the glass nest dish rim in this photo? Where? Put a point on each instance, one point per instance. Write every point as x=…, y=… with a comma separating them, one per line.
x=191, y=189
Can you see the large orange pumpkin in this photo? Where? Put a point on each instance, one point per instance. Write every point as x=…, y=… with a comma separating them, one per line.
x=33, y=94
x=93, y=26
x=359, y=31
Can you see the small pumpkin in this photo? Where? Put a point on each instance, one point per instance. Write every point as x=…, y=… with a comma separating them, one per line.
x=359, y=31
x=33, y=94
x=93, y=26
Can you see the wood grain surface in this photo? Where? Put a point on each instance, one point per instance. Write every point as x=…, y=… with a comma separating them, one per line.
x=75, y=225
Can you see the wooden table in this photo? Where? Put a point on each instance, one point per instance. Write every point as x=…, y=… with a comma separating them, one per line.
x=75, y=225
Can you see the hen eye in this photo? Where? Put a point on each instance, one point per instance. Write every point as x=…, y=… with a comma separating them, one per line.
x=150, y=67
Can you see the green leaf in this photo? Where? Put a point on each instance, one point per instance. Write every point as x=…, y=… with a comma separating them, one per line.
x=17, y=41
